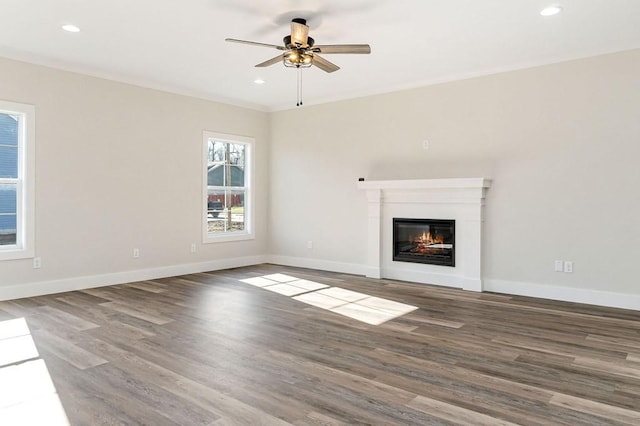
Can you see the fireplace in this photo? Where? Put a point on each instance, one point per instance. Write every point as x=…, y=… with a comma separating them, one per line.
x=430, y=241
x=459, y=199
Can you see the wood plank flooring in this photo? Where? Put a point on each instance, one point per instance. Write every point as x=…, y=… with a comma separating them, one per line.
x=208, y=349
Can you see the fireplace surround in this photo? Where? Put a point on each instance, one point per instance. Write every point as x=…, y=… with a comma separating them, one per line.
x=458, y=199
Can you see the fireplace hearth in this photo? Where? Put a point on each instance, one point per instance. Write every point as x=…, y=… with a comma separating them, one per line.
x=429, y=241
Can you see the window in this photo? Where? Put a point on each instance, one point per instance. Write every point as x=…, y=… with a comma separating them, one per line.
x=17, y=162
x=228, y=202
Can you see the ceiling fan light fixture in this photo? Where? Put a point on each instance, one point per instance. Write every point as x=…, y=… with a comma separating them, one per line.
x=297, y=59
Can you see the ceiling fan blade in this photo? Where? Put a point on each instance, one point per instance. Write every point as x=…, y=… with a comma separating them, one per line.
x=255, y=43
x=299, y=32
x=270, y=62
x=323, y=64
x=342, y=48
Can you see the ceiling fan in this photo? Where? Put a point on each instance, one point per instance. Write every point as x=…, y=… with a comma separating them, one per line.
x=300, y=51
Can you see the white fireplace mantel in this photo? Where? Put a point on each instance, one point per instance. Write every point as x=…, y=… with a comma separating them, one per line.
x=425, y=183
x=461, y=199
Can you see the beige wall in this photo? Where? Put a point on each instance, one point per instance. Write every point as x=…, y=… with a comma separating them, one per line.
x=119, y=167
x=561, y=143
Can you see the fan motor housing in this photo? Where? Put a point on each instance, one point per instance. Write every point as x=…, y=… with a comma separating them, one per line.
x=287, y=42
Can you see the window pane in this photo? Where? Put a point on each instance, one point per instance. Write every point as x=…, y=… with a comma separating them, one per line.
x=8, y=214
x=8, y=129
x=8, y=162
x=226, y=163
x=8, y=146
x=235, y=176
x=225, y=212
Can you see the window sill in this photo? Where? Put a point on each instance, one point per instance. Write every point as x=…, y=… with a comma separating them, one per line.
x=15, y=254
x=228, y=237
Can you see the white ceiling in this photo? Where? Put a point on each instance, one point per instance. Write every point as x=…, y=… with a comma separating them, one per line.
x=179, y=46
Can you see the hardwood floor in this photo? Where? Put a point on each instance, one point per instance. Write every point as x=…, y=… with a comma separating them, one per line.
x=208, y=349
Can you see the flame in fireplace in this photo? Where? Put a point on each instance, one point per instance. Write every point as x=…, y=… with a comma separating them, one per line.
x=427, y=239
x=427, y=243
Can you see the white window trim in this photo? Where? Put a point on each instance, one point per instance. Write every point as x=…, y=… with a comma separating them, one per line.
x=249, y=209
x=25, y=212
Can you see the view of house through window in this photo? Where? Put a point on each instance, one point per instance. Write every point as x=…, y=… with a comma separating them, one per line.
x=8, y=178
x=16, y=180
x=227, y=178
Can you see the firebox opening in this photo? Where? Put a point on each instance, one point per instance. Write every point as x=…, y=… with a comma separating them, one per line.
x=430, y=241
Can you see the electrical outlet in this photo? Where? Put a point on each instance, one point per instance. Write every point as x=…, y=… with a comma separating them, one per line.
x=193, y=247
x=568, y=266
x=37, y=263
x=309, y=244
x=559, y=266
x=425, y=144
x=136, y=253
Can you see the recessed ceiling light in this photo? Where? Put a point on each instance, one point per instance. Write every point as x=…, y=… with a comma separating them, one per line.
x=71, y=28
x=258, y=81
x=551, y=10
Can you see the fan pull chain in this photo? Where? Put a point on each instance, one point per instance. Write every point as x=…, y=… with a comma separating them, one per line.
x=299, y=103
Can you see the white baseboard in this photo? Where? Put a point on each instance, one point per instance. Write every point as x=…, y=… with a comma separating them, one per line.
x=566, y=294
x=319, y=264
x=41, y=288
x=542, y=291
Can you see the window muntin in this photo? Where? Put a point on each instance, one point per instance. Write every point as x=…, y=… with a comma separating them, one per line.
x=227, y=182
x=16, y=180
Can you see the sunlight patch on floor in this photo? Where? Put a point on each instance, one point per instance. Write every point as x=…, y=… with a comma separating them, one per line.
x=16, y=343
x=284, y=284
x=27, y=393
x=359, y=306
